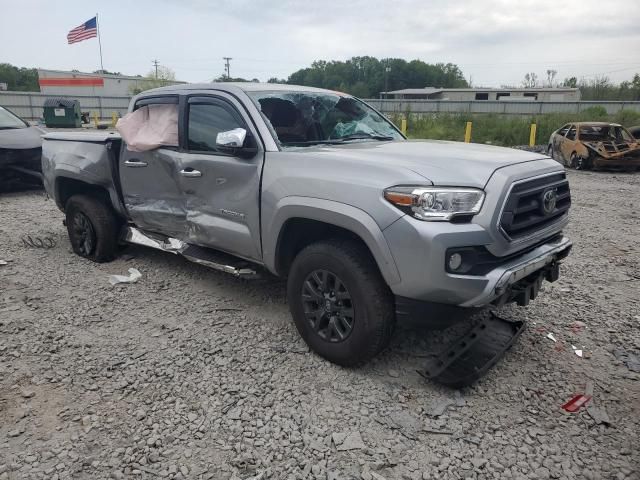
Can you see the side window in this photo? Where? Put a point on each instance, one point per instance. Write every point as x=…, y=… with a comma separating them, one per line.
x=206, y=120
x=563, y=131
x=572, y=133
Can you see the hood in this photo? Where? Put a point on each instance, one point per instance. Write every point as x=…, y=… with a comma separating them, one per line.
x=612, y=149
x=21, y=138
x=441, y=162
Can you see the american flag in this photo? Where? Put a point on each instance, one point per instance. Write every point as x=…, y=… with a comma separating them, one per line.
x=88, y=29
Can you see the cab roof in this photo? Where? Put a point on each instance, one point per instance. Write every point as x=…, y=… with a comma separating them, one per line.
x=234, y=87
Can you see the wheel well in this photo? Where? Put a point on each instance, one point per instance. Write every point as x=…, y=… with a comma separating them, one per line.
x=67, y=187
x=297, y=233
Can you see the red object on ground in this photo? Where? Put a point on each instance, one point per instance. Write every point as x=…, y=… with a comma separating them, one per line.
x=576, y=403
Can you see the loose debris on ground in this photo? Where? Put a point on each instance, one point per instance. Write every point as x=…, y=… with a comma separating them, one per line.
x=192, y=374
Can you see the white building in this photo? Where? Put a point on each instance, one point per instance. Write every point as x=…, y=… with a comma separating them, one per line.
x=58, y=82
x=559, y=94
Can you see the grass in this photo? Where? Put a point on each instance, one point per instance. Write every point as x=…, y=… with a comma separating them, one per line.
x=505, y=130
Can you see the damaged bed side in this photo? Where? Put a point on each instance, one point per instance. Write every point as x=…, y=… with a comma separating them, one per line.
x=82, y=161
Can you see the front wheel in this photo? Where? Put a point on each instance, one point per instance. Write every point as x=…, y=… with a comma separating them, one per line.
x=340, y=303
x=92, y=227
x=579, y=163
x=550, y=151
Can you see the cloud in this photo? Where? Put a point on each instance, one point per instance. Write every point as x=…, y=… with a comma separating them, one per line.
x=495, y=41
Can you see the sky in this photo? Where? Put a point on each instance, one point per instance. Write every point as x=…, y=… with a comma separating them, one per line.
x=494, y=42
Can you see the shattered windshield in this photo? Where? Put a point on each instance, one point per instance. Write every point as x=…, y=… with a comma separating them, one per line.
x=311, y=118
x=604, y=133
x=9, y=120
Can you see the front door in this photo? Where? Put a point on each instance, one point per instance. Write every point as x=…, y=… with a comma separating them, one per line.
x=151, y=191
x=221, y=191
x=568, y=147
x=558, y=139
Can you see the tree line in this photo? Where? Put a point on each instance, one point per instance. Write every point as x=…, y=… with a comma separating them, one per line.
x=367, y=76
x=597, y=88
x=19, y=79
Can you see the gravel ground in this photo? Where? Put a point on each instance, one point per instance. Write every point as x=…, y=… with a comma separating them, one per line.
x=190, y=373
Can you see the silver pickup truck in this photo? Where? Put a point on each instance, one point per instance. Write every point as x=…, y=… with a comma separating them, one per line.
x=319, y=188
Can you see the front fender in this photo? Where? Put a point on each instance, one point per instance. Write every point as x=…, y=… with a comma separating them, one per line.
x=334, y=213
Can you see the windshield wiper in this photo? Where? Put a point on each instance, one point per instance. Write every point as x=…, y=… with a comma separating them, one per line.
x=337, y=141
x=364, y=136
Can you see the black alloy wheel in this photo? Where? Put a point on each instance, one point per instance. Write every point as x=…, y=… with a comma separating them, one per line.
x=328, y=306
x=93, y=227
x=84, y=235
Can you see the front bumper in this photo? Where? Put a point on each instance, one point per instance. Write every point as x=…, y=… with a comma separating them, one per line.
x=419, y=250
x=520, y=279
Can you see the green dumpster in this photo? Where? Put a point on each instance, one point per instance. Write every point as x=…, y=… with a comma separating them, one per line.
x=62, y=113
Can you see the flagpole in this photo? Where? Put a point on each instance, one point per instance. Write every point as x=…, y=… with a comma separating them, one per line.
x=99, y=43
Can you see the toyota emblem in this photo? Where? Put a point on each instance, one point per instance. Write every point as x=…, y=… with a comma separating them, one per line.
x=549, y=200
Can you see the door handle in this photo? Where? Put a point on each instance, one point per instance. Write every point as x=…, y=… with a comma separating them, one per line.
x=135, y=163
x=190, y=173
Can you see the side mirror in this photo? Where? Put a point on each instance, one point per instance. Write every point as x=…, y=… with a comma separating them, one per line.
x=237, y=142
x=231, y=138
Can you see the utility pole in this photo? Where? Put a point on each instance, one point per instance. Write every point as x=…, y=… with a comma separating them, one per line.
x=155, y=63
x=226, y=66
x=386, y=79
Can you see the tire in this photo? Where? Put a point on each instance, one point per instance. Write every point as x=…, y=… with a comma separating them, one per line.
x=346, y=331
x=579, y=163
x=93, y=228
x=550, y=151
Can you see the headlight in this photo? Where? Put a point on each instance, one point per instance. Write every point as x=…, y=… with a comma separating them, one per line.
x=436, y=203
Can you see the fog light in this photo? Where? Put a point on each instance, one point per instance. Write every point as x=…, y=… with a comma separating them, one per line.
x=455, y=260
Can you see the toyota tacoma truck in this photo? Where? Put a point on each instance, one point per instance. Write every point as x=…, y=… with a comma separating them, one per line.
x=317, y=187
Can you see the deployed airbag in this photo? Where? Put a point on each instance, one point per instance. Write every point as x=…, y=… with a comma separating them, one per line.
x=149, y=127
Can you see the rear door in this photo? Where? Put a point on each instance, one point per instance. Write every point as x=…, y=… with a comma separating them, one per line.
x=221, y=191
x=150, y=187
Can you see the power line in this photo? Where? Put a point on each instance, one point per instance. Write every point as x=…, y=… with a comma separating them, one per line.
x=226, y=66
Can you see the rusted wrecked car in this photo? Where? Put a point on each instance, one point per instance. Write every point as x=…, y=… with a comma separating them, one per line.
x=587, y=145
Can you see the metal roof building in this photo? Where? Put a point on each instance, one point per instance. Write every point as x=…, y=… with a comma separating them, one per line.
x=58, y=82
x=559, y=94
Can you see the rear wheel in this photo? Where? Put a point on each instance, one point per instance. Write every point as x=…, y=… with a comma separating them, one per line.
x=340, y=303
x=92, y=227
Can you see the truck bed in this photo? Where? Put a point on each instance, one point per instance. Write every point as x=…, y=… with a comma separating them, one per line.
x=90, y=136
x=89, y=157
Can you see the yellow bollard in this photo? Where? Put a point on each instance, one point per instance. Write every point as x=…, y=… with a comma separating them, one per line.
x=532, y=135
x=403, y=126
x=95, y=119
x=114, y=119
x=467, y=133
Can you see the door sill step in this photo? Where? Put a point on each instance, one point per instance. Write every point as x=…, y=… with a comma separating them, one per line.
x=208, y=257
